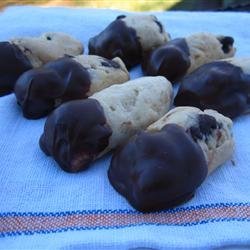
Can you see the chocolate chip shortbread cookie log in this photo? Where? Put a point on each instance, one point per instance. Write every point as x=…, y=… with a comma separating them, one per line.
x=222, y=85
x=21, y=54
x=39, y=91
x=163, y=166
x=103, y=72
x=78, y=132
x=128, y=37
x=210, y=129
x=183, y=55
x=49, y=46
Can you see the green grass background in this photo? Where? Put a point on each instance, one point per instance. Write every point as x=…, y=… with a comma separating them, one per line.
x=134, y=5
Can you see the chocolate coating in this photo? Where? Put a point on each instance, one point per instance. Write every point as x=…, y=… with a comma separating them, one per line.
x=75, y=133
x=217, y=85
x=159, y=170
x=117, y=40
x=39, y=91
x=12, y=64
x=170, y=60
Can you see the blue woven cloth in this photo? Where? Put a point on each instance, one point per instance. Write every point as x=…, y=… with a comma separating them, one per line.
x=42, y=207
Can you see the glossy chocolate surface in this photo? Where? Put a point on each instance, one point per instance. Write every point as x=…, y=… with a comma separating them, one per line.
x=158, y=170
x=170, y=60
x=75, y=133
x=12, y=64
x=39, y=91
x=117, y=40
x=217, y=85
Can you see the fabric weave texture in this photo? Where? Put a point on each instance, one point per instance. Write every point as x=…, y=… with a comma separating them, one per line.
x=42, y=207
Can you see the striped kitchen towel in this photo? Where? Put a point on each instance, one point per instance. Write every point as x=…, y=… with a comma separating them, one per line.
x=42, y=207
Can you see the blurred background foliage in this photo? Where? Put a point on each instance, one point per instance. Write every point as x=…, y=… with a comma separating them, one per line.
x=139, y=5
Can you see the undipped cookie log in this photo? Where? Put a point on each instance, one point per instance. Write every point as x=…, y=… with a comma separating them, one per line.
x=21, y=54
x=183, y=55
x=128, y=37
x=39, y=91
x=163, y=166
x=80, y=131
x=222, y=85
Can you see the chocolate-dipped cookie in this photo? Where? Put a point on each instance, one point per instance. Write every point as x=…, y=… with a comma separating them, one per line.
x=75, y=134
x=12, y=64
x=128, y=37
x=163, y=166
x=183, y=55
x=222, y=85
x=39, y=91
x=21, y=54
x=158, y=170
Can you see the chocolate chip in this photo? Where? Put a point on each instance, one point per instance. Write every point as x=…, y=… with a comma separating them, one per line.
x=75, y=133
x=12, y=64
x=121, y=17
x=155, y=171
x=117, y=40
x=195, y=132
x=39, y=91
x=159, y=25
x=110, y=63
x=170, y=60
x=220, y=125
x=206, y=124
x=217, y=85
x=227, y=42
